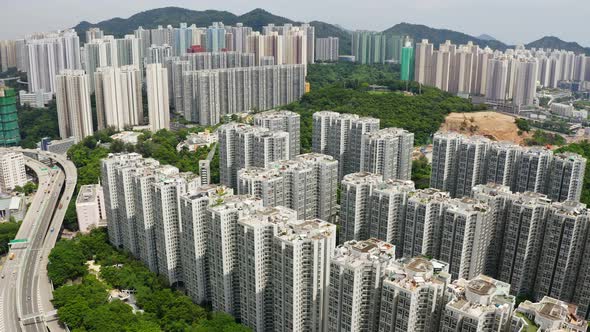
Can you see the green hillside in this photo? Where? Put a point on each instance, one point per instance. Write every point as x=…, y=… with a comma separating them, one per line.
x=258, y=18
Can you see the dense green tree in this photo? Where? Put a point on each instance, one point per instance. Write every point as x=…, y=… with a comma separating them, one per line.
x=84, y=305
x=66, y=262
x=219, y=322
x=71, y=218
x=421, y=113
x=421, y=172
x=110, y=317
x=30, y=187
x=90, y=291
x=350, y=74
x=74, y=313
x=36, y=123
x=542, y=138
x=522, y=124
x=27, y=189
x=8, y=231
x=117, y=146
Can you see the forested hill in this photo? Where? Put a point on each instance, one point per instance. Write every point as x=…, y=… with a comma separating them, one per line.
x=149, y=19
x=439, y=36
x=558, y=44
x=258, y=18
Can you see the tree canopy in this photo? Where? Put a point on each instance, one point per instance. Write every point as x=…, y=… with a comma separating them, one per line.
x=82, y=298
x=349, y=74
x=421, y=114
x=8, y=231
x=345, y=88
x=36, y=123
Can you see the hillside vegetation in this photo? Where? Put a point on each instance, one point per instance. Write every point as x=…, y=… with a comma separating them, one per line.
x=439, y=36
x=420, y=110
x=258, y=18
x=82, y=297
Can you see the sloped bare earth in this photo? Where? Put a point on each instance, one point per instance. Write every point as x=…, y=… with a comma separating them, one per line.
x=496, y=126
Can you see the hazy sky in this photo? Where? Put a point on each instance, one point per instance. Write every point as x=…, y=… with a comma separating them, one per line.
x=511, y=21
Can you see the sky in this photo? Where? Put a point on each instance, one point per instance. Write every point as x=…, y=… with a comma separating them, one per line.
x=511, y=21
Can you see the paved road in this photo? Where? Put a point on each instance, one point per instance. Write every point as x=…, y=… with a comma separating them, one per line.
x=8, y=295
x=25, y=300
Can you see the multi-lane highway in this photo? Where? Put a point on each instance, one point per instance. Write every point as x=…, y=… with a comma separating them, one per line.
x=25, y=290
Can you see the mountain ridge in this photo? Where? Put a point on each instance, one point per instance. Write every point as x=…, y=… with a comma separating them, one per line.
x=485, y=36
x=258, y=17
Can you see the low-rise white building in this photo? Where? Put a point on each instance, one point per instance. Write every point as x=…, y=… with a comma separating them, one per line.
x=37, y=99
x=90, y=208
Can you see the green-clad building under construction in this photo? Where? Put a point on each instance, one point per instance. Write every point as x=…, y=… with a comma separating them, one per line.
x=9, y=133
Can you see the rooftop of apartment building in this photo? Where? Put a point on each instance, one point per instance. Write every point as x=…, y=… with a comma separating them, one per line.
x=357, y=253
x=314, y=229
x=270, y=215
x=551, y=313
x=479, y=295
x=275, y=114
x=530, y=199
x=537, y=151
x=315, y=157
x=467, y=205
x=416, y=272
x=236, y=202
x=333, y=114
x=259, y=173
x=570, y=208
x=362, y=178
x=429, y=194
x=504, y=145
x=492, y=189
x=449, y=135
x=388, y=133
x=569, y=156
x=393, y=186
x=210, y=190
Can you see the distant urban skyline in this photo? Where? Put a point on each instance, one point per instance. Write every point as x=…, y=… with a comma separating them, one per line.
x=543, y=18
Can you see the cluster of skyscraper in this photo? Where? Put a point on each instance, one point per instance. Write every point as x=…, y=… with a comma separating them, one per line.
x=460, y=162
x=358, y=145
x=275, y=269
x=370, y=47
x=287, y=44
x=268, y=255
x=209, y=95
x=224, y=249
x=327, y=49
x=203, y=73
x=519, y=238
x=509, y=77
x=242, y=145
